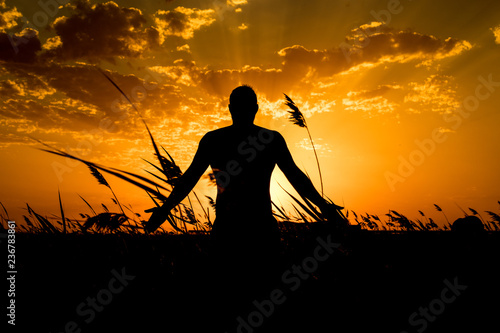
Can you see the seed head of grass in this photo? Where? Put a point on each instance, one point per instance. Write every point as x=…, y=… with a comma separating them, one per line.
x=97, y=175
x=295, y=115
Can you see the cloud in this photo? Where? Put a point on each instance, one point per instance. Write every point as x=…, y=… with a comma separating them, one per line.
x=371, y=44
x=436, y=93
x=101, y=31
x=180, y=73
x=234, y=3
x=78, y=97
x=305, y=68
x=182, y=22
x=496, y=33
x=220, y=83
x=184, y=48
x=302, y=67
x=71, y=97
x=372, y=101
x=20, y=47
x=322, y=148
x=377, y=92
x=27, y=83
x=371, y=106
x=8, y=17
x=221, y=7
x=9, y=88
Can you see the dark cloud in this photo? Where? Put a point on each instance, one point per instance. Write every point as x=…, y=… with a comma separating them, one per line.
x=183, y=22
x=78, y=97
x=369, y=44
x=176, y=21
x=9, y=88
x=102, y=31
x=51, y=95
x=21, y=47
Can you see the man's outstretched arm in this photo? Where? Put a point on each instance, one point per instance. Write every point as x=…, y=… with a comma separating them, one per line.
x=184, y=185
x=296, y=177
x=304, y=186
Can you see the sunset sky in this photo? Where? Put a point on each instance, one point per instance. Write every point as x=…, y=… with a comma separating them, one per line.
x=401, y=97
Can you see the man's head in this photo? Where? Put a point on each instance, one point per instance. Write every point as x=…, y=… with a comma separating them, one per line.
x=243, y=105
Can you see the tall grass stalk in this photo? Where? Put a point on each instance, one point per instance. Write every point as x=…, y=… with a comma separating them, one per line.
x=6, y=218
x=45, y=224
x=298, y=119
x=62, y=212
x=475, y=212
x=101, y=180
x=440, y=210
x=496, y=218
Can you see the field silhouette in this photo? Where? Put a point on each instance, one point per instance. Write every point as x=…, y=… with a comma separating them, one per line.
x=384, y=270
x=374, y=282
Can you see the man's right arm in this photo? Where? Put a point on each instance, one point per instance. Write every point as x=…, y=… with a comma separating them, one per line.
x=295, y=176
x=304, y=186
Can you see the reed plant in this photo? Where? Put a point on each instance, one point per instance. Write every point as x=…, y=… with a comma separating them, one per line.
x=297, y=117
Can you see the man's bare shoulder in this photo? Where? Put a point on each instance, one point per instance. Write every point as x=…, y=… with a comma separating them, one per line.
x=264, y=134
x=217, y=133
x=263, y=129
x=272, y=135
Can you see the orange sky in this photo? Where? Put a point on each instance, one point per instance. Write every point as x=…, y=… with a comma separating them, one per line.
x=401, y=97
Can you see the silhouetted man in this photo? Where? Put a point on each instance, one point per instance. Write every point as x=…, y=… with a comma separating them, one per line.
x=242, y=157
x=245, y=235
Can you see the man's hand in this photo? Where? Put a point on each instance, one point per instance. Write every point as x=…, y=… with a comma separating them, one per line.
x=333, y=215
x=157, y=218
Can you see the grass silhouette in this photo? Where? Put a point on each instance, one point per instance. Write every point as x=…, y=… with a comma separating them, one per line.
x=109, y=222
x=297, y=117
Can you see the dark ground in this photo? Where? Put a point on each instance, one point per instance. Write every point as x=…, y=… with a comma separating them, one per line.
x=374, y=286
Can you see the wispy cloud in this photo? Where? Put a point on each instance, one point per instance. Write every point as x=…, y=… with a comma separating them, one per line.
x=436, y=93
x=323, y=148
x=371, y=107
